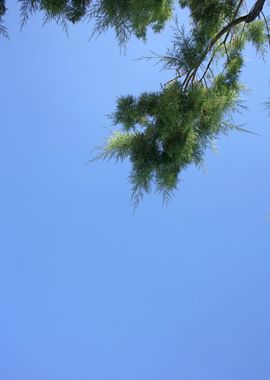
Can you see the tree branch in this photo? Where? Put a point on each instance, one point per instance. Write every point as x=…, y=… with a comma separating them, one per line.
x=248, y=18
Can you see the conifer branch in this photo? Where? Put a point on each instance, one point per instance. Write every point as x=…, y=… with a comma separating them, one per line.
x=248, y=18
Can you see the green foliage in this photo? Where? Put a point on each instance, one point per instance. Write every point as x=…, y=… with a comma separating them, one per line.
x=125, y=17
x=257, y=35
x=164, y=132
x=130, y=17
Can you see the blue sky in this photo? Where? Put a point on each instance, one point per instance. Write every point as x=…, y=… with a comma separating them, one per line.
x=90, y=291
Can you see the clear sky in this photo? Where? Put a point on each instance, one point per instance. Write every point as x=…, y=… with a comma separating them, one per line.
x=90, y=291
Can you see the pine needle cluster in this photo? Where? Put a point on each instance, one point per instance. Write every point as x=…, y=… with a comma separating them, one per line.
x=164, y=132
x=125, y=17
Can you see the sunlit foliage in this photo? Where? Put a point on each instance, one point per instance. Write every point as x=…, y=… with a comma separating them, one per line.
x=164, y=132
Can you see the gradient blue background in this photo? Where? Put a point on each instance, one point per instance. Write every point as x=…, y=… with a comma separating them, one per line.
x=90, y=291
